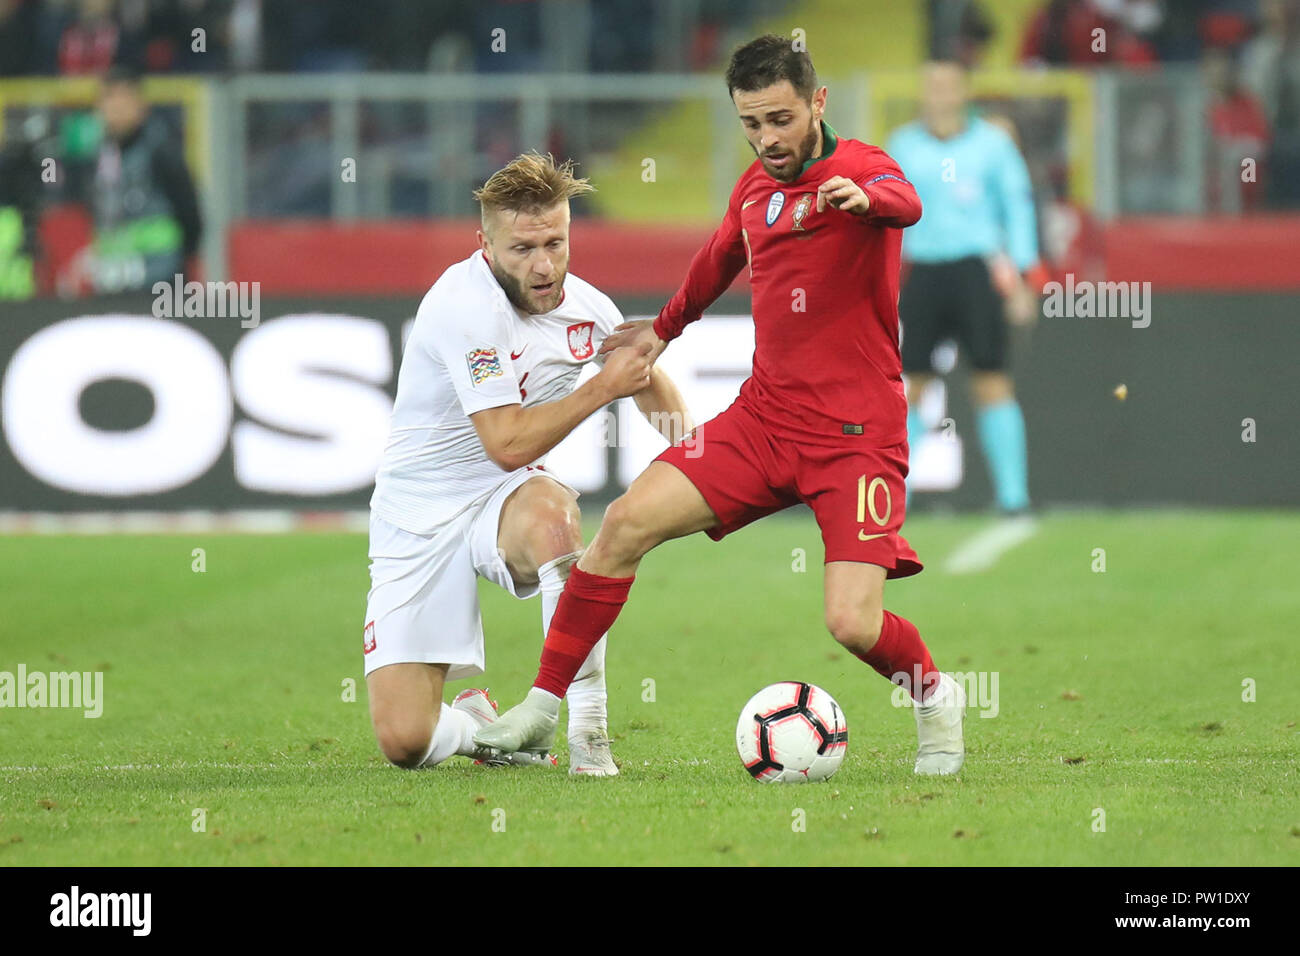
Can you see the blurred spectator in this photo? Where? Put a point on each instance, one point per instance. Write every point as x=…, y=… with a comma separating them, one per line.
x=1224, y=27
x=1238, y=131
x=1271, y=69
x=146, y=213
x=89, y=44
x=244, y=35
x=1270, y=63
x=1065, y=33
x=1139, y=18
x=959, y=31
x=188, y=36
x=78, y=37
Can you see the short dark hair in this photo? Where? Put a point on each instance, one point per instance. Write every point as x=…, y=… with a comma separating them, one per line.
x=768, y=60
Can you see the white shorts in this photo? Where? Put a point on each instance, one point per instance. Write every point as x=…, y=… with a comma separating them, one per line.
x=423, y=602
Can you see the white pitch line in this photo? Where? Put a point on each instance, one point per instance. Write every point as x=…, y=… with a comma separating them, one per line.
x=981, y=551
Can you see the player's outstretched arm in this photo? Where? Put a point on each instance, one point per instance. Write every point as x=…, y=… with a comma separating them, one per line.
x=664, y=407
x=710, y=273
x=514, y=436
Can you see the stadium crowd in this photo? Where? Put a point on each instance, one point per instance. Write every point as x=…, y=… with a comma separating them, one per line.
x=73, y=37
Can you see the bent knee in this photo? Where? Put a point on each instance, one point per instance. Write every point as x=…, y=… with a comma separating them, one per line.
x=856, y=630
x=555, y=529
x=625, y=531
x=404, y=745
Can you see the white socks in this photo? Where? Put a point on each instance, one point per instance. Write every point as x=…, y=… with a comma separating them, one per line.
x=544, y=700
x=453, y=734
x=587, y=696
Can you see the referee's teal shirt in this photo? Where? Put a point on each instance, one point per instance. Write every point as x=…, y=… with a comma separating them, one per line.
x=975, y=193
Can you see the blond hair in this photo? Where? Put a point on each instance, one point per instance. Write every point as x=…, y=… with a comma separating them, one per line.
x=530, y=183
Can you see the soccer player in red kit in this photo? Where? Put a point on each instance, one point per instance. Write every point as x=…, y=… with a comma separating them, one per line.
x=822, y=420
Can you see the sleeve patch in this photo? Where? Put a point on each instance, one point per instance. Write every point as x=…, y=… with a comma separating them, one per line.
x=884, y=176
x=483, y=365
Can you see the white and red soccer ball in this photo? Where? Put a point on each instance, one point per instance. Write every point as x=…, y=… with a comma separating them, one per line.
x=792, y=732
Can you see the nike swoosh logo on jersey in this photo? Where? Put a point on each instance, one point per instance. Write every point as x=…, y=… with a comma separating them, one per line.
x=515, y=355
x=862, y=536
x=747, y=203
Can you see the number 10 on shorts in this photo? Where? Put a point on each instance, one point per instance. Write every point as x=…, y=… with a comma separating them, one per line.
x=867, y=503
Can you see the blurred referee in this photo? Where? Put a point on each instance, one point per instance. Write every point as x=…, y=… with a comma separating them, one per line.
x=979, y=212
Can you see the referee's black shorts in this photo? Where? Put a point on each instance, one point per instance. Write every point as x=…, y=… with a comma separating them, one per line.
x=952, y=300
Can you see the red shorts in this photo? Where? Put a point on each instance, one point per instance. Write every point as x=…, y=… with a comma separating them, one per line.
x=854, y=489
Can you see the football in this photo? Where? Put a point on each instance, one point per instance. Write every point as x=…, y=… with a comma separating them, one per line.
x=792, y=732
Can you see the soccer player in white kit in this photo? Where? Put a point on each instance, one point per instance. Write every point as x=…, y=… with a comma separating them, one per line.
x=485, y=390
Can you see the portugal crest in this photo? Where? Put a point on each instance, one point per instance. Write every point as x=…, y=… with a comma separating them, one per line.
x=800, y=210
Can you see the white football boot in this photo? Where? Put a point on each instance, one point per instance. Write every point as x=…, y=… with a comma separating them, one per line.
x=483, y=710
x=941, y=749
x=527, y=727
x=589, y=753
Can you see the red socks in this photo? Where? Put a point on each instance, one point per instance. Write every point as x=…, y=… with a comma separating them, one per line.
x=591, y=603
x=902, y=657
x=586, y=610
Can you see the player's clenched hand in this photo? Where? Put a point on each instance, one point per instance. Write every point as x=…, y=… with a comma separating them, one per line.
x=635, y=335
x=627, y=371
x=843, y=194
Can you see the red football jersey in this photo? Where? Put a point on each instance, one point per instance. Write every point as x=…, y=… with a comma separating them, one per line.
x=825, y=295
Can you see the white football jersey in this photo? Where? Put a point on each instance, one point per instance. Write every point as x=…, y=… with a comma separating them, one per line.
x=470, y=349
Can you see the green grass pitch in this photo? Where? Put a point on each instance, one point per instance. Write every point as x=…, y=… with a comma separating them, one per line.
x=1119, y=692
